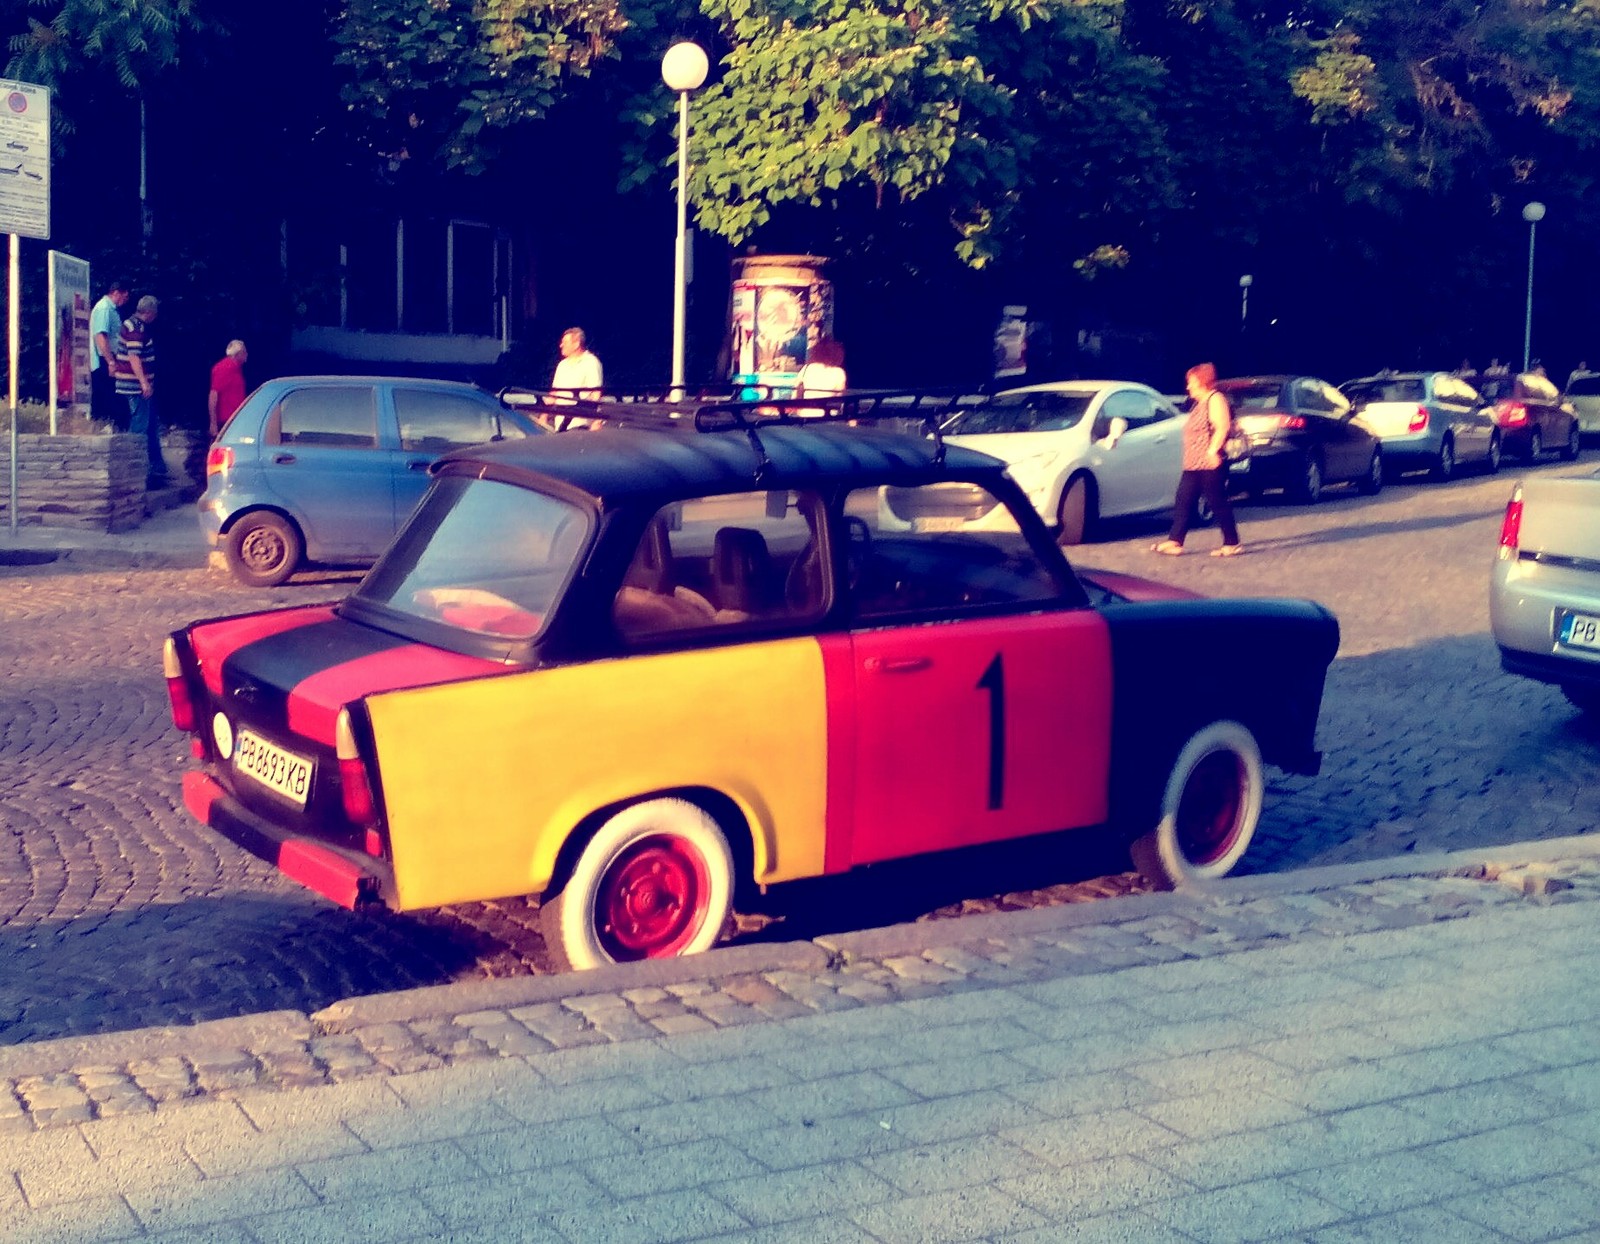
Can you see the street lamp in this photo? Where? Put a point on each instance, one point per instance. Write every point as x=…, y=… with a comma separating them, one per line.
x=1244, y=300
x=683, y=69
x=1533, y=213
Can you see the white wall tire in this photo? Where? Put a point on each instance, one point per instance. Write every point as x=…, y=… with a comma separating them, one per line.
x=1209, y=808
x=655, y=882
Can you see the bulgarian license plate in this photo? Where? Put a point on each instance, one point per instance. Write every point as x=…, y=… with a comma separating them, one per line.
x=273, y=767
x=1580, y=630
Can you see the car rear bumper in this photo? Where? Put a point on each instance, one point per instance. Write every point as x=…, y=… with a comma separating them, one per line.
x=1528, y=601
x=346, y=877
x=1563, y=671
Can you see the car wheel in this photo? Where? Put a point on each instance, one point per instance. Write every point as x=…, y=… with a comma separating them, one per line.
x=1079, y=512
x=1308, y=488
x=1208, y=810
x=1492, y=462
x=1535, y=445
x=1585, y=699
x=1444, y=466
x=655, y=881
x=1574, y=443
x=263, y=549
x=1372, y=482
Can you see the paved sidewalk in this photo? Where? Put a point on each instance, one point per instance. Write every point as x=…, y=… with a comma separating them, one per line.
x=1403, y=1050
x=170, y=537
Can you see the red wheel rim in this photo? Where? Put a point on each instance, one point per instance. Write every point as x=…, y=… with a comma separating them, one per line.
x=652, y=899
x=1208, y=811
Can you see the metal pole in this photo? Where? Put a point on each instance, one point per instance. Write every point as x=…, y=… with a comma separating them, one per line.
x=1244, y=307
x=14, y=336
x=1527, y=326
x=679, y=274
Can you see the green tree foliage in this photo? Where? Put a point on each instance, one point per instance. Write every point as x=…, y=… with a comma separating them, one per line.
x=447, y=79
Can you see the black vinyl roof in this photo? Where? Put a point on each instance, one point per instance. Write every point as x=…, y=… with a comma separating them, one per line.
x=615, y=462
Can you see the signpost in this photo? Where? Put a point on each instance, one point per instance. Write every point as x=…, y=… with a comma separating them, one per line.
x=24, y=209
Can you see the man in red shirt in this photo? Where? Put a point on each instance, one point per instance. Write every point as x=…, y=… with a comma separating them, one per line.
x=227, y=386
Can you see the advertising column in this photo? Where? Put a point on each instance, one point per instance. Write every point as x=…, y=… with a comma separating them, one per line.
x=782, y=305
x=69, y=336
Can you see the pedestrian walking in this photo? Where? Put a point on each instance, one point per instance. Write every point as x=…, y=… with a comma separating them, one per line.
x=105, y=325
x=579, y=368
x=227, y=386
x=134, y=367
x=1204, y=472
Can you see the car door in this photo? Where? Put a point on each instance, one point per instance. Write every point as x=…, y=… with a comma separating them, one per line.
x=324, y=463
x=1326, y=412
x=1468, y=419
x=429, y=422
x=1140, y=472
x=981, y=698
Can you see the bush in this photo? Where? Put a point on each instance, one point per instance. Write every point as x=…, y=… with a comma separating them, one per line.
x=35, y=417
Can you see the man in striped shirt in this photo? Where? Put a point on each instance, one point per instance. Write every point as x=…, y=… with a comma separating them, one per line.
x=134, y=368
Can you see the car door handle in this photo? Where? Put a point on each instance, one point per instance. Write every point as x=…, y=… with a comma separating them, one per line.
x=419, y=464
x=897, y=665
x=283, y=459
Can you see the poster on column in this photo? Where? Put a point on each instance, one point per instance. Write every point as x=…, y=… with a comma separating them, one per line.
x=69, y=336
x=24, y=159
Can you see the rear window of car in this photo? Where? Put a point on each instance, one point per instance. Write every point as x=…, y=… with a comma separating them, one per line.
x=436, y=420
x=1585, y=386
x=1247, y=397
x=1034, y=412
x=481, y=556
x=1361, y=392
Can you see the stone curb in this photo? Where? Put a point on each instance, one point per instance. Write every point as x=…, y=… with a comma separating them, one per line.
x=39, y=1058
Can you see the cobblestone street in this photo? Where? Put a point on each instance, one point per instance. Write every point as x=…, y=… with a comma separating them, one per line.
x=117, y=911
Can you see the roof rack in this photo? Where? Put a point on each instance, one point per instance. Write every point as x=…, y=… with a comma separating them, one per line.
x=747, y=409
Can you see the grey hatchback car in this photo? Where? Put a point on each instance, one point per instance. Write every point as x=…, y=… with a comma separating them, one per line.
x=327, y=468
x=1426, y=419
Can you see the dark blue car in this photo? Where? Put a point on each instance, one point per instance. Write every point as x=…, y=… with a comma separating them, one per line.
x=327, y=468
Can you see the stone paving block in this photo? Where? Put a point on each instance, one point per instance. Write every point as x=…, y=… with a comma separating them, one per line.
x=670, y=1168
x=1085, y=1137
x=1482, y=1107
x=1324, y=1048
x=164, y=1079
x=661, y=1219
x=219, y=1200
x=170, y=1129
x=554, y=1024
x=1084, y=1189
x=1577, y=1088
x=1127, y=1227
x=597, y=1063
x=1342, y=1088
x=964, y=1214
x=832, y=1230
x=369, y=1220
x=1558, y=1207
x=495, y=1080
x=805, y=1192
x=1387, y=1183
x=508, y=1198
x=1058, y=1096
x=844, y=1094
x=960, y=1075
x=679, y=1025
x=55, y=1100
x=84, y=1221
x=1507, y=1154
x=216, y=1233
x=554, y=1143
x=344, y=1057
x=269, y=1110
x=1260, y=1210
x=947, y=1165
x=703, y=1080
x=77, y=1175
x=1428, y=1223
x=680, y=1122
x=352, y=1176
x=401, y=1128
x=1208, y=1115
x=216, y=1070
x=268, y=1150
x=1193, y=1074
x=1069, y=1021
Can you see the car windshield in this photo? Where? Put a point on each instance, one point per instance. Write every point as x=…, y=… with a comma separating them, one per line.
x=482, y=556
x=1584, y=386
x=1255, y=395
x=1032, y=412
x=1398, y=389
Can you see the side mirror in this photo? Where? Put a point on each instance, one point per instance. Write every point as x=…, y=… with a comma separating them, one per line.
x=1117, y=430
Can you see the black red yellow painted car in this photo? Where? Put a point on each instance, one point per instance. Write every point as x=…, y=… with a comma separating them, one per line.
x=638, y=669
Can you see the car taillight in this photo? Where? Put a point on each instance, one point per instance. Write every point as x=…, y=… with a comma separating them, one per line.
x=1512, y=414
x=1511, y=526
x=354, y=784
x=1291, y=421
x=219, y=458
x=183, y=714
x=1419, y=421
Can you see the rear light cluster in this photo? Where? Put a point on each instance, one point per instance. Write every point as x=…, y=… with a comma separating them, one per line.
x=355, y=786
x=1291, y=421
x=1511, y=526
x=219, y=459
x=183, y=708
x=1419, y=420
x=1511, y=414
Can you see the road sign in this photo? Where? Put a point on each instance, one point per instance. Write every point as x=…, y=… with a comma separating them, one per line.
x=24, y=159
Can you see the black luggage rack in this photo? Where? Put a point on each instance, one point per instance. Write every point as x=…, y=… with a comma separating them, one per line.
x=748, y=408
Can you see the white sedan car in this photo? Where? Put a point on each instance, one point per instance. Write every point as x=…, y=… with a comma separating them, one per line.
x=1082, y=450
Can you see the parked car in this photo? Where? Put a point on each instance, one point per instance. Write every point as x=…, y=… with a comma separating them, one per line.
x=1544, y=591
x=1428, y=419
x=1583, y=395
x=691, y=663
x=326, y=468
x=1298, y=433
x=1083, y=450
x=1531, y=416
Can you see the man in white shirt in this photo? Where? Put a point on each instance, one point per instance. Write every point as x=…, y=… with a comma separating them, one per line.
x=579, y=368
x=105, y=325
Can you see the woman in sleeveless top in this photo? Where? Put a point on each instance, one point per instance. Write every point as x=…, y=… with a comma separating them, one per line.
x=1204, y=472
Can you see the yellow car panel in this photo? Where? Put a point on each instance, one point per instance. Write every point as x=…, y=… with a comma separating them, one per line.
x=484, y=779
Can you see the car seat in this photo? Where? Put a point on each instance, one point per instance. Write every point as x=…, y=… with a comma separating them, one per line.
x=741, y=571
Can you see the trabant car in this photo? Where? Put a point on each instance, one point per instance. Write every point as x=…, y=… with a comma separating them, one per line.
x=643, y=670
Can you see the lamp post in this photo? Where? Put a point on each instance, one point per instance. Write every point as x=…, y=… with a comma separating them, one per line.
x=683, y=69
x=1533, y=213
x=1244, y=301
